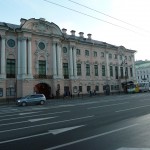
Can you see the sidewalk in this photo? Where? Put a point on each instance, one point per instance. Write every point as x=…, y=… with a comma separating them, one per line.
x=8, y=102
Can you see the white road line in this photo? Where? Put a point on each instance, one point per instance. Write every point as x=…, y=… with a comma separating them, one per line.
x=31, y=120
x=62, y=121
x=34, y=115
x=91, y=137
x=40, y=119
x=132, y=108
x=107, y=105
x=28, y=113
x=70, y=143
x=61, y=130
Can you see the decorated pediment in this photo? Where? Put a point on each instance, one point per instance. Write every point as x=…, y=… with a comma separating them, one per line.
x=42, y=26
x=121, y=49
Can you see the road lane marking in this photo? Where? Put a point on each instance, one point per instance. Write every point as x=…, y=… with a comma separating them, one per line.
x=61, y=130
x=28, y=113
x=31, y=120
x=40, y=119
x=35, y=115
x=132, y=108
x=91, y=137
x=70, y=143
x=107, y=105
x=62, y=121
x=38, y=108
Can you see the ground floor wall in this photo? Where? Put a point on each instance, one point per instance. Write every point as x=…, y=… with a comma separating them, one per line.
x=12, y=88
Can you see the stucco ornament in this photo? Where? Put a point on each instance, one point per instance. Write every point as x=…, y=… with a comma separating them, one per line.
x=37, y=25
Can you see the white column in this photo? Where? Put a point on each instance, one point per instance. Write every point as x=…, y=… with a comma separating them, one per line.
x=119, y=74
x=19, y=57
x=107, y=66
x=133, y=66
x=71, y=63
x=59, y=55
x=54, y=60
x=124, y=71
x=29, y=58
x=24, y=57
x=74, y=63
x=3, y=59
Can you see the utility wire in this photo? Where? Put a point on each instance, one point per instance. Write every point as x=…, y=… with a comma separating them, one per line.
x=90, y=16
x=107, y=15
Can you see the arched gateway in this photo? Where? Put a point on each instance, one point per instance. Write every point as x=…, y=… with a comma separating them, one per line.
x=43, y=88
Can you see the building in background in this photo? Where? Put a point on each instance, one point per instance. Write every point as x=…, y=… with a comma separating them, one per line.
x=142, y=71
x=37, y=57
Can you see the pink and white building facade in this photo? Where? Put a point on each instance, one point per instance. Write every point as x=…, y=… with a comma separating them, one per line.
x=36, y=56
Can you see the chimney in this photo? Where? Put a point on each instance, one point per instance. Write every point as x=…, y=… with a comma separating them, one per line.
x=81, y=34
x=89, y=36
x=72, y=32
x=22, y=21
x=43, y=19
x=64, y=31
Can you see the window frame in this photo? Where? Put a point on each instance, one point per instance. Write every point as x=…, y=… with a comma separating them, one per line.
x=10, y=68
x=87, y=53
x=87, y=69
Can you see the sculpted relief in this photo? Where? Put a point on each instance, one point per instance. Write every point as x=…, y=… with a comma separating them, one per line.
x=42, y=26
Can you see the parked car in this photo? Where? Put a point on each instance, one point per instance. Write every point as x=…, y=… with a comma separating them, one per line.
x=31, y=99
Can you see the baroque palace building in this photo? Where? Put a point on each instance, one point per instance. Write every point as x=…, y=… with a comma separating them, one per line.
x=36, y=56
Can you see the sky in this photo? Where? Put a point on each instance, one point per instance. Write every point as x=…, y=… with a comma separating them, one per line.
x=117, y=22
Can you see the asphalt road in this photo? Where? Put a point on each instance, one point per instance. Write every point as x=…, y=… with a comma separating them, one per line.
x=116, y=122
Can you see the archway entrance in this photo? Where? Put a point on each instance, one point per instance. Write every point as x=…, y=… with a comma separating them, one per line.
x=43, y=88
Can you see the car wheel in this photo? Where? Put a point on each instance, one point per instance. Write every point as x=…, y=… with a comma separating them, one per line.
x=24, y=104
x=42, y=102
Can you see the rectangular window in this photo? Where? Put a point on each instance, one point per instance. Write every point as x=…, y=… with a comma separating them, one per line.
x=111, y=71
x=80, y=88
x=1, y=92
x=110, y=56
x=116, y=72
x=88, y=88
x=95, y=54
x=97, y=88
x=10, y=68
x=10, y=91
x=87, y=70
x=42, y=68
x=96, y=70
x=131, y=72
x=79, y=69
x=86, y=53
x=126, y=72
x=103, y=70
x=78, y=52
x=65, y=71
x=115, y=56
x=102, y=54
x=121, y=71
x=112, y=87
